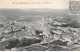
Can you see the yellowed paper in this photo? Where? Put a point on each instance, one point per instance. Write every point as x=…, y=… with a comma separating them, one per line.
x=44, y=4
x=39, y=25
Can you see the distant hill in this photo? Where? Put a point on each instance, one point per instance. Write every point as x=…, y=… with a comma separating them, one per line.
x=12, y=14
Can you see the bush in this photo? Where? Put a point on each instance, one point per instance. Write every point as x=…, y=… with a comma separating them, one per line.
x=1, y=25
x=74, y=24
x=12, y=44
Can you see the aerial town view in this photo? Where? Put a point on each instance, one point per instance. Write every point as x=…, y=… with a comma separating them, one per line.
x=39, y=30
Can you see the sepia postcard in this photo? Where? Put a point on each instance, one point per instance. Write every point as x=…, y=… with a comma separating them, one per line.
x=39, y=25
